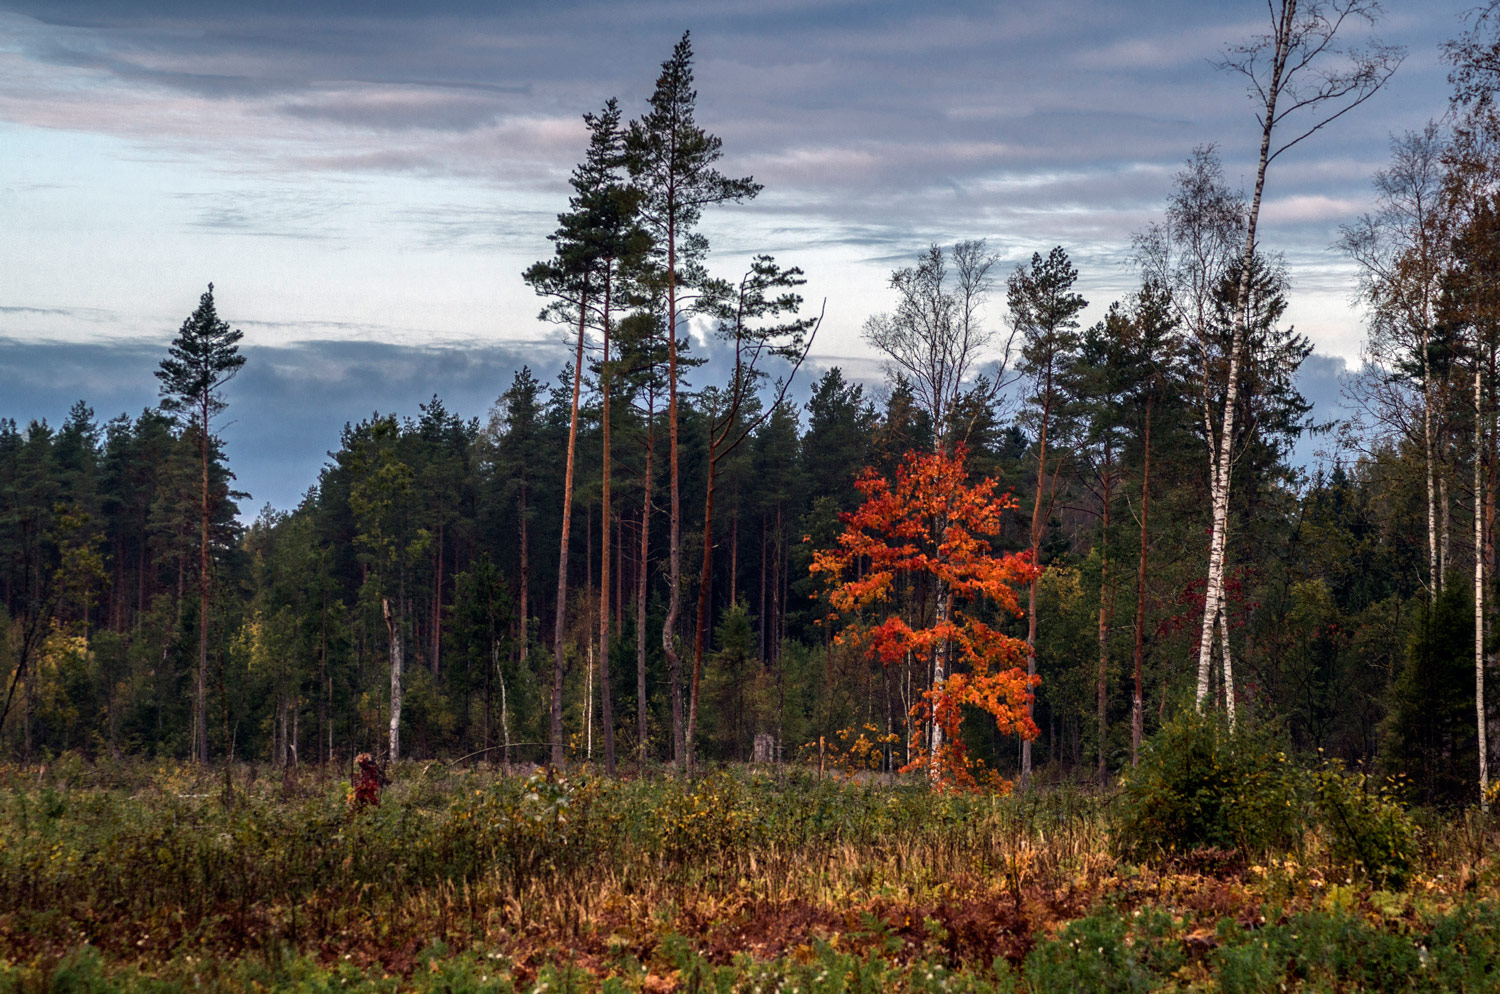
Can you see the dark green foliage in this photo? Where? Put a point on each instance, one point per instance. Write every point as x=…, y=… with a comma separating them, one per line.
x=1201, y=785
x=203, y=357
x=1429, y=730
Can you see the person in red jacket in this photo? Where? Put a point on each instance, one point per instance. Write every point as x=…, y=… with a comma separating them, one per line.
x=367, y=782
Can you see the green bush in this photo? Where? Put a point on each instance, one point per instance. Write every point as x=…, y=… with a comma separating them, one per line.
x=1091, y=954
x=1202, y=785
x=1367, y=830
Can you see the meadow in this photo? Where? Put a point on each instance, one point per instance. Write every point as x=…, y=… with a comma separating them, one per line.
x=125, y=877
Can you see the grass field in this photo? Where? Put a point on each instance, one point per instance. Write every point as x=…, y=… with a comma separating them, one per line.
x=162, y=879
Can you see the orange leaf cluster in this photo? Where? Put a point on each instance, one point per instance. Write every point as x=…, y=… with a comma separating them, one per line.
x=931, y=531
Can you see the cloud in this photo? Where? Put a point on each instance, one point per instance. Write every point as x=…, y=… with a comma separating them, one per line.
x=446, y=130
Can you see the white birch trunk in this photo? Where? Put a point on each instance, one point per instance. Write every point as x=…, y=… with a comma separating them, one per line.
x=939, y=676
x=1228, y=666
x=393, y=630
x=1434, y=574
x=1214, y=595
x=504, y=708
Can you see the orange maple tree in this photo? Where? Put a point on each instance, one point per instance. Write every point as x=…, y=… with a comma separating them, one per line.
x=934, y=524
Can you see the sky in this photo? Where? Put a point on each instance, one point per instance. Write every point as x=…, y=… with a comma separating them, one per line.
x=364, y=183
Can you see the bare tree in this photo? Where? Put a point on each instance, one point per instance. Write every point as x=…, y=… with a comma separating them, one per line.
x=1401, y=249
x=936, y=337
x=1302, y=78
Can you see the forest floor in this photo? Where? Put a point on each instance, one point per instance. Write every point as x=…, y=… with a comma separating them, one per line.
x=164, y=878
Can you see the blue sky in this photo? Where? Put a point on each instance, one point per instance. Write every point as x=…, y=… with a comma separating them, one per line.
x=364, y=183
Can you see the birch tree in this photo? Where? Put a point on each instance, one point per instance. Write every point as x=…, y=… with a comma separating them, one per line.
x=1402, y=250
x=1301, y=78
x=936, y=338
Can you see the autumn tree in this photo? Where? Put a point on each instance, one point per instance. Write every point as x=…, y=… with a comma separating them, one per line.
x=201, y=360
x=933, y=525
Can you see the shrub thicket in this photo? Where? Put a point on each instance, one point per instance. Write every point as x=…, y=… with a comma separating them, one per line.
x=1204, y=785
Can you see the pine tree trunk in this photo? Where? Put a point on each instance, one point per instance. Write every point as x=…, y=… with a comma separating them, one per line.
x=1036, y=557
x=1445, y=536
x=1102, y=676
x=1136, y=702
x=200, y=701
x=761, y=604
x=674, y=547
x=525, y=583
x=705, y=590
x=606, y=704
x=437, y=608
x=1434, y=575
x=560, y=626
x=734, y=551
x=641, y=591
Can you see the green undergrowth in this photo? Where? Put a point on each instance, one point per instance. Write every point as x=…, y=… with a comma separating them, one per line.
x=167, y=879
x=1314, y=951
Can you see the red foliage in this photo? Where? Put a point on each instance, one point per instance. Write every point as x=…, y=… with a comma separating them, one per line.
x=930, y=531
x=367, y=785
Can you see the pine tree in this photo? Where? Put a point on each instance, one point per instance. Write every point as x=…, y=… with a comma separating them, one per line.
x=202, y=359
x=1044, y=309
x=671, y=160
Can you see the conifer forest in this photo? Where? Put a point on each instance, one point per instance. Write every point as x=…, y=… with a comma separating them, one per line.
x=1074, y=654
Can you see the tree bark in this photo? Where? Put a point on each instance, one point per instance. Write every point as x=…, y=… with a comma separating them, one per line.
x=1036, y=556
x=705, y=588
x=200, y=701
x=393, y=632
x=562, y=555
x=1102, y=677
x=674, y=546
x=1139, y=655
x=525, y=582
x=641, y=593
x=1484, y=767
x=1221, y=467
x=606, y=707
x=1434, y=574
